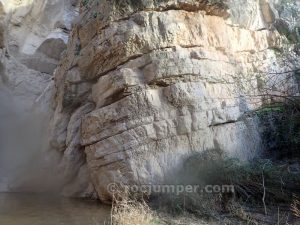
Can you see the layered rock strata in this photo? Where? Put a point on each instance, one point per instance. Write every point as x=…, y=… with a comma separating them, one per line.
x=145, y=83
x=129, y=89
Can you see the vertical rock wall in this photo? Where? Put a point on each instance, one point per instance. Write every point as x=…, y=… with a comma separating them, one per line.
x=33, y=36
x=146, y=83
x=128, y=89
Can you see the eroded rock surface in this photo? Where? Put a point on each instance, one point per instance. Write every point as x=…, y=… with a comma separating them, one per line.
x=36, y=33
x=145, y=83
x=33, y=37
x=128, y=89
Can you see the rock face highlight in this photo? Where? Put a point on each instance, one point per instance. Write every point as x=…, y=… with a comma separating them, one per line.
x=124, y=91
x=144, y=84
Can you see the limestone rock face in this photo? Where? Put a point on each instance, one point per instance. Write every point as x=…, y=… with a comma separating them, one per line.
x=36, y=33
x=144, y=84
x=288, y=15
x=33, y=37
x=127, y=89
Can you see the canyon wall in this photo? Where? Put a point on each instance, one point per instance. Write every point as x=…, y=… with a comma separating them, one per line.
x=142, y=84
x=146, y=83
x=33, y=34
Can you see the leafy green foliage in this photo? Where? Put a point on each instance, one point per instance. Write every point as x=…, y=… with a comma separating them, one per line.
x=280, y=130
x=85, y=2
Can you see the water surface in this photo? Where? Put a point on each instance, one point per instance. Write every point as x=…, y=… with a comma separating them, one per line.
x=30, y=209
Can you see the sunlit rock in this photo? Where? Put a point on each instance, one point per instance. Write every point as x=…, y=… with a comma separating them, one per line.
x=167, y=79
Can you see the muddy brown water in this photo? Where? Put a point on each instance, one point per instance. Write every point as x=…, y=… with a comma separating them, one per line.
x=32, y=209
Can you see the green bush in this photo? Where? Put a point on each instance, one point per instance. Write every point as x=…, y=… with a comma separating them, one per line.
x=280, y=130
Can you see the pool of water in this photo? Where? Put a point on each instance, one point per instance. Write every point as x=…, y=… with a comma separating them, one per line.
x=30, y=209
